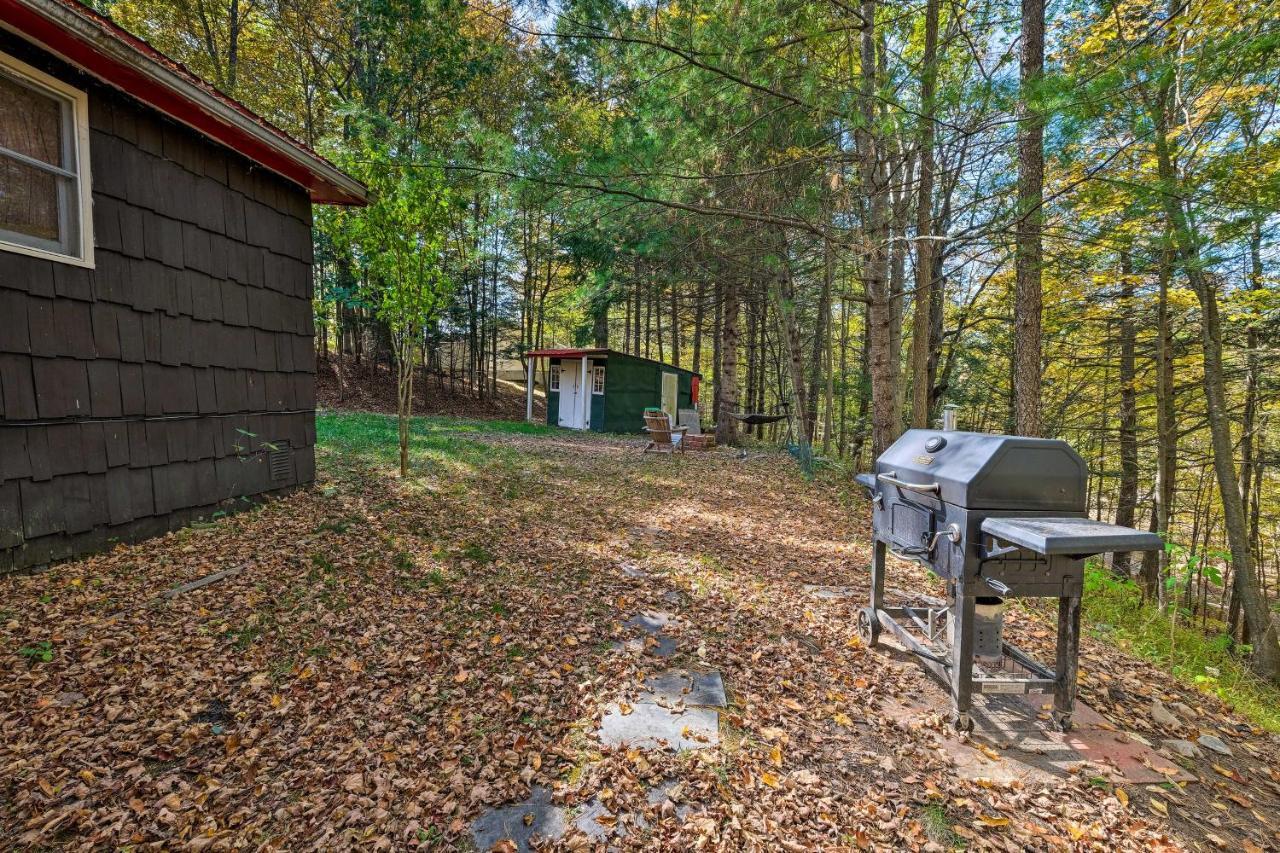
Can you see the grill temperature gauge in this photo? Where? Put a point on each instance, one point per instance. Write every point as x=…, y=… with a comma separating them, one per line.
x=935, y=444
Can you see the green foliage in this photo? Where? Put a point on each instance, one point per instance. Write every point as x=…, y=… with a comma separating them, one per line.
x=41, y=652
x=1113, y=610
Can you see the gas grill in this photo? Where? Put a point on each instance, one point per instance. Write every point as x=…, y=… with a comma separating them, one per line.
x=996, y=517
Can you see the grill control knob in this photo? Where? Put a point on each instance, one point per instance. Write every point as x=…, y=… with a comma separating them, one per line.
x=935, y=444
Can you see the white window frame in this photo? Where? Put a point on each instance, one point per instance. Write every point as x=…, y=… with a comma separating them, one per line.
x=82, y=200
x=553, y=378
x=597, y=379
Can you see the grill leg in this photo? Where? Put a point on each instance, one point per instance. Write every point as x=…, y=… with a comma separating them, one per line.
x=962, y=659
x=869, y=619
x=877, y=575
x=1064, y=692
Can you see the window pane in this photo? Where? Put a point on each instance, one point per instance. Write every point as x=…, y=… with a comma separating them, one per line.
x=30, y=122
x=29, y=202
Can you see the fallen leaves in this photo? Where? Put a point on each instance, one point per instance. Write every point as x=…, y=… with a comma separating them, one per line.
x=335, y=695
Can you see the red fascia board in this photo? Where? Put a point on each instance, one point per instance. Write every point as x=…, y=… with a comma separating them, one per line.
x=132, y=82
x=564, y=353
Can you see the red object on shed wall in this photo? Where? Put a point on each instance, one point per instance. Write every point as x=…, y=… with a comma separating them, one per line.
x=693, y=389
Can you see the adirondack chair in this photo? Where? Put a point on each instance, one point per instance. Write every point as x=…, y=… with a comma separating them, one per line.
x=663, y=438
x=691, y=420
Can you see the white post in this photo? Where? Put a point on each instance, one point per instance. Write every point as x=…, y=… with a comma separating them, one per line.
x=528, y=392
x=585, y=390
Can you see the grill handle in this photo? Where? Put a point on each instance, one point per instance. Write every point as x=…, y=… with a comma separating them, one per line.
x=891, y=477
x=1000, y=587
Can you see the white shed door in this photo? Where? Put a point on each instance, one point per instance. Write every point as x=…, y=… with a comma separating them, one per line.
x=570, y=395
x=670, y=384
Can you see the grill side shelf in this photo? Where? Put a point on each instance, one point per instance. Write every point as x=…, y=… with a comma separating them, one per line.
x=1074, y=536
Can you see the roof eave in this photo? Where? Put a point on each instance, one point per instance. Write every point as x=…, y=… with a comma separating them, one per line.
x=85, y=44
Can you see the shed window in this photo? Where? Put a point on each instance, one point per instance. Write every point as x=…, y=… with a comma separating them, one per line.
x=597, y=379
x=553, y=378
x=44, y=166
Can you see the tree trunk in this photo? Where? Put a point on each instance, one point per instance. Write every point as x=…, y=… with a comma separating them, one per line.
x=675, y=326
x=1266, y=654
x=699, y=310
x=1127, y=497
x=1155, y=564
x=727, y=370
x=921, y=325
x=875, y=265
x=819, y=339
x=1028, y=297
x=782, y=288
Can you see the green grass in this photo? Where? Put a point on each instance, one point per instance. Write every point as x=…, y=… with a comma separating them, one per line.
x=437, y=445
x=937, y=826
x=1112, y=611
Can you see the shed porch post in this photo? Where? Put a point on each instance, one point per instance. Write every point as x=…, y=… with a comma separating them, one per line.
x=585, y=392
x=528, y=392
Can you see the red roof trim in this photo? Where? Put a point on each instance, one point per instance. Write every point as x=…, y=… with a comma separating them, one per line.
x=564, y=353
x=279, y=152
x=571, y=352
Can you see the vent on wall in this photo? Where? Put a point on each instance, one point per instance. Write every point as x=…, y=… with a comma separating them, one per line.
x=281, y=461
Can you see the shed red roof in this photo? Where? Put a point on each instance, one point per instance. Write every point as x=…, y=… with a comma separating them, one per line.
x=96, y=44
x=579, y=352
x=565, y=353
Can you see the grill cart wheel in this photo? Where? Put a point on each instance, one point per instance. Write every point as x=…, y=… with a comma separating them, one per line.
x=962, y=722
x=1061, y=722
x=868, y=627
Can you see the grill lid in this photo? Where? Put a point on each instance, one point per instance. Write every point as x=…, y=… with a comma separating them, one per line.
x=981, y=471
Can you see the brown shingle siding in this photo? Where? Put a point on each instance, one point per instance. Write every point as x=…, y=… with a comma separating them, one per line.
x=138, y=395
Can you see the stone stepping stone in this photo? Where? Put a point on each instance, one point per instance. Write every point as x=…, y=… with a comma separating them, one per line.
x=692, y=688
x=674, y=597
x=1215, y=743
x=650, y=726
x=646, y=532
x=1183, y=748
x=588, y=822
x=535, y=818
x=631, y=570
x=662, y=792
x=652, y=622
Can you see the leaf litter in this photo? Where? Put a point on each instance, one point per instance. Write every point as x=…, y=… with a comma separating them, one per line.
x=401, y=656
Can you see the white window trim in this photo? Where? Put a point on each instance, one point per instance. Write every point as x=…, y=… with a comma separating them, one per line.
x=84, y=182
x=597, y=379
x=553, y=378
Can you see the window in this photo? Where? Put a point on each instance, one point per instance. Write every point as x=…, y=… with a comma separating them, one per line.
x=553, y=378
x=597, y=379
x=44, y=166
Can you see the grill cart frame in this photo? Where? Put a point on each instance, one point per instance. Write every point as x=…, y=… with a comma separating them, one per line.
x=996, y=517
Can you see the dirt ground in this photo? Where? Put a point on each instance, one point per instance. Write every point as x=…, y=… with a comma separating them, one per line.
x=341, y=384
x=396, y=657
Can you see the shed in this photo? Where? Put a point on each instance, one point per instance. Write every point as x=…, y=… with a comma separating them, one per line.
x=604, y=390
x=156, y=342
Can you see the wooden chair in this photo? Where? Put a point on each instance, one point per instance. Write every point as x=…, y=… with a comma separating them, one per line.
x=691, y=420
x=662, y=436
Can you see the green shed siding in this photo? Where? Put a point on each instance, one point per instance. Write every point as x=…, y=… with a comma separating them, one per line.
x=553, y=400
x=631, y=385
x=597, y=404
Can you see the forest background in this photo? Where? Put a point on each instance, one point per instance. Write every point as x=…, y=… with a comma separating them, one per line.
x=1061, y=220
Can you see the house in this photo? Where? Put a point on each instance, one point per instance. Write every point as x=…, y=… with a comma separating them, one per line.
x=607, y=391
x=156, y=353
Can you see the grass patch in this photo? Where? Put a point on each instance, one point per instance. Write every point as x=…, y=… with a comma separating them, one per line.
x=437, y=445
x=1112, y=610
x=933, y=818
